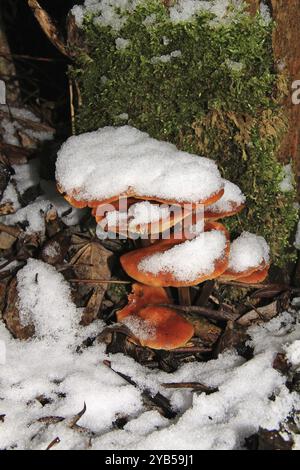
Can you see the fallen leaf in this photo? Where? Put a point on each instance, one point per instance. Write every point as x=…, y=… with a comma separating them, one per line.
x=269, y=440
x=6, y=241
x=11, y=315
x=7, y=208
x=92, y=262
x=281, y=363
x=54, y=250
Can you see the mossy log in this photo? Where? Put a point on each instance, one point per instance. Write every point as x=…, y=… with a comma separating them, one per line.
x=217, y=90
x=286, y=38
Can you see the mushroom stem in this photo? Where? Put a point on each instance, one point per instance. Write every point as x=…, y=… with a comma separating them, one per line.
x=184, y=296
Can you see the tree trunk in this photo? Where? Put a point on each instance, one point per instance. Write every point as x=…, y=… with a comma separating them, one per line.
x=286, y=51
x=7, y=68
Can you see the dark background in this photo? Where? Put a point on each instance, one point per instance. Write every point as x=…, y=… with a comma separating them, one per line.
x=40, y=81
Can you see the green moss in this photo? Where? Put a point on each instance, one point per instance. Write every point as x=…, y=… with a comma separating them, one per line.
x=219, y=98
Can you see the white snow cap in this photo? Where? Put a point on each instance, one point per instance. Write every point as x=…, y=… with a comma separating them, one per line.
x=190, y=259
x=232, y=198
x=113, y=12
x=248, y=251
x=111, y=160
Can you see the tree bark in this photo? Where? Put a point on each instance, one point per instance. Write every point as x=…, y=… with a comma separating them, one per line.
x=7, y=68
x=286, y=38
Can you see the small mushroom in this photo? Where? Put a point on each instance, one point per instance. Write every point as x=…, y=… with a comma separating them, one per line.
x=153, y=324
x=141, y=296
x=249, y=259
x=232, y=202
x=165, y=327
x=256, y=277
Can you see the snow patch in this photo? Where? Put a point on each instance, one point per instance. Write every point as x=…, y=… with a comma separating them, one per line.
x=112, y=160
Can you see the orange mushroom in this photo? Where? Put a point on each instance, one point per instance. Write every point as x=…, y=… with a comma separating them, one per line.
x=130, y=224
x=249, y=259
x=162, y=327
x=232, y=202
x=141, y=296
x=153, y=324
x=130, y=194
x=256, y=277
x=130, y=262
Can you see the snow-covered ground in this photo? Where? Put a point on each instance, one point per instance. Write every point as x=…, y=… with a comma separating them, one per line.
x=45, y=381
x=51, y=366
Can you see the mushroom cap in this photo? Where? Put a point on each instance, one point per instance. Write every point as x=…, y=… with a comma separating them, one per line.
x=130, y=262
x=256, y=277
x=130, y=194
x=231, y=203
x=249, y=254
x=210, y=200
x=140, y=297
x=230, y=275
x=114, y=161
x=169, y=329
x=214, y=216
x=139, y=219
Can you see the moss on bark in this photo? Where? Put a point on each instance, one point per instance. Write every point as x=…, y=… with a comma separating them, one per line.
x=210, y=88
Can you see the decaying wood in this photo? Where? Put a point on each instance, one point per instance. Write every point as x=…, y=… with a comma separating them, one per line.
x=286, y=15
x=259, y=314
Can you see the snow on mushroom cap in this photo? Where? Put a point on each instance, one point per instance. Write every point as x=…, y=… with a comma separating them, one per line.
x=190, y=259
x=145, y=212
x=110, y=161
x=248, y=251
x=232, y=198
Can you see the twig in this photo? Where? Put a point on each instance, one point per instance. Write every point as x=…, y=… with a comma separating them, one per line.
x=10, y=57
x=77, y=417
x=159, y=400
x=53, y=443
x=191, y=350
x=72, y=110
x=280, y=287
x=97, y=281
x=194, y=385
x=205, y=312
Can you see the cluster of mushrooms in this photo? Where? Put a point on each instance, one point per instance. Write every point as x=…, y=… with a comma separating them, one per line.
x=149, y=313
x=149, y=302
